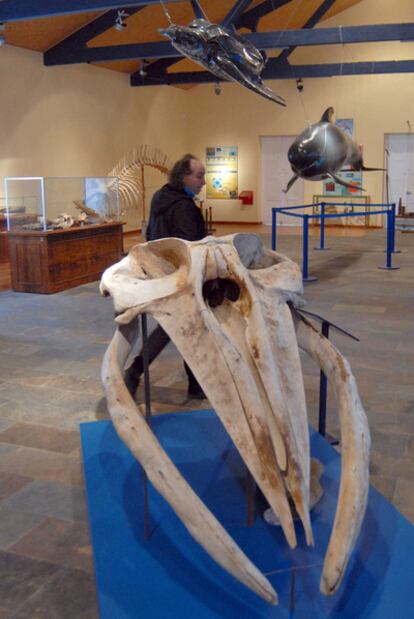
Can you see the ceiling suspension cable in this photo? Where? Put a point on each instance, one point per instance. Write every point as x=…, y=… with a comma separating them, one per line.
x=167, y=14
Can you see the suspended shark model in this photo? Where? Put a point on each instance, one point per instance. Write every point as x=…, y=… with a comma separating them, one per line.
x=224, y=53
x=322, y=150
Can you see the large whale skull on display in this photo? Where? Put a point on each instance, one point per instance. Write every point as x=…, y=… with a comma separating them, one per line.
x=228, y=304
x=322, y=150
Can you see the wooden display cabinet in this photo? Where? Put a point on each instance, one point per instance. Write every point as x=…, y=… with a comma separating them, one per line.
x=4, y=246
x=55, y=260
x=16, y=219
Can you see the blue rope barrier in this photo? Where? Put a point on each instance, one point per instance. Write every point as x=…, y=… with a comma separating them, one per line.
x=388, y=210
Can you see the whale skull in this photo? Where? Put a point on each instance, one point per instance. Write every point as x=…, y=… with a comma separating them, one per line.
x=228, y=304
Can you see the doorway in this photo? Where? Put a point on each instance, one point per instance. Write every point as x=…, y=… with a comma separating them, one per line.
x=276, y=172
x=399, y=157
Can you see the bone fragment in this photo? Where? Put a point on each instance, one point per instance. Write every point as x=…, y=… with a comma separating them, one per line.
x=355, y=447
x=137, y=435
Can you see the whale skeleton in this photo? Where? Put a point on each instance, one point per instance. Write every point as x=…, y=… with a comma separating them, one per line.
x=242, y=343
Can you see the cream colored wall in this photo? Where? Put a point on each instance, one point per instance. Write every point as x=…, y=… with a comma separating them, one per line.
x=79, y=120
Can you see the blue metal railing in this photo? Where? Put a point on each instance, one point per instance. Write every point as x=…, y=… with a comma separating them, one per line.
x=387, y=209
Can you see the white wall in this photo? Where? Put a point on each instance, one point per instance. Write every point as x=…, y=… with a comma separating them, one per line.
x=79, y=120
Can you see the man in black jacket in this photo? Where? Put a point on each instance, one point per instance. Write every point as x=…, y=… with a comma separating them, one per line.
x=173, y=213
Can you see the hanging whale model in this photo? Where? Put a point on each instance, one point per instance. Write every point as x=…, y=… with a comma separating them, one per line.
x=323, y=150
x=222, y=52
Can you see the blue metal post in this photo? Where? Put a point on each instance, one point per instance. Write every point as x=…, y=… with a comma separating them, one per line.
x=305, y=275
x=145, y=357
x=305, y=248
x=273, y=229
x=322, y=240
x=395, y=251
x=323, y=388
x=390, y=223
x=322, y=231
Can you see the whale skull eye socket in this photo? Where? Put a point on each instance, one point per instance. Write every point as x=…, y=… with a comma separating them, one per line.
x=245, y=355
x=216, y=290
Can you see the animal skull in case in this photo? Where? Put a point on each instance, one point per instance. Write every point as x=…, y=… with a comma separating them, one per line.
x=228, y=304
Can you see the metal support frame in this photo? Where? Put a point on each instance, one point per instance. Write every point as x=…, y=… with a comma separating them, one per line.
x=388, y=209
x=390, y=239
x=322, y=230
x=148, y=414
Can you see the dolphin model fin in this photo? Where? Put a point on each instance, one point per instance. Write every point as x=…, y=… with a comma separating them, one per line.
x=327, y=115
x=290, y=183
x=344, y=183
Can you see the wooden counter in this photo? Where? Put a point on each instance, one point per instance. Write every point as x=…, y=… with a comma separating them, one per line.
x=51, y=261
x=4, y=245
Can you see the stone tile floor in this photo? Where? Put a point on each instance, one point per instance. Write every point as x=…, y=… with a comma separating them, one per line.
x=51, y=349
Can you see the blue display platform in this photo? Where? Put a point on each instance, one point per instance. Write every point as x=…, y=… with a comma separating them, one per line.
x=172, y=576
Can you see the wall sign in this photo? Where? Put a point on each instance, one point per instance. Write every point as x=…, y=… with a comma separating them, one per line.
x=221, y=172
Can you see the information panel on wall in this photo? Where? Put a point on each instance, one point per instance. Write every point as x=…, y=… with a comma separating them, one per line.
x=352, y=177
x=221, y=172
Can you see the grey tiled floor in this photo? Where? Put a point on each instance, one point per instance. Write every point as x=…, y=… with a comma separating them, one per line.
x=51, y=349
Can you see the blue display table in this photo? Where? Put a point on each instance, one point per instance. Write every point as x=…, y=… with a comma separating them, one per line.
x=172, y=576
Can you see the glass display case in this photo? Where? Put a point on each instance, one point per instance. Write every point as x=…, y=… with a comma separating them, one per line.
x=61, y=232
x=52, y=203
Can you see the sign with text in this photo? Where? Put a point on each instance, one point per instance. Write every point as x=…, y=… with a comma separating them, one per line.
x=221, y=172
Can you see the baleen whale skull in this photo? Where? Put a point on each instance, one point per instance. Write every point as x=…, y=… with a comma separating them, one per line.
x=228, y=304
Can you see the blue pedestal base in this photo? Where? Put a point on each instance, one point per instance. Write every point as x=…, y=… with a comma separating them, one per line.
x=170, y=575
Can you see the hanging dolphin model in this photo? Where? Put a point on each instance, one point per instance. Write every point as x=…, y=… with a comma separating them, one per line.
x=322, y=150
x=224, y=53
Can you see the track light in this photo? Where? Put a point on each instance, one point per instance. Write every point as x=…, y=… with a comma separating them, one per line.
x=299, y=84
x=142, y=71
x=120, y=25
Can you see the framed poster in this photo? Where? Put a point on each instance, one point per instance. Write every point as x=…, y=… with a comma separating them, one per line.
x=221, y=172
x=354, y=177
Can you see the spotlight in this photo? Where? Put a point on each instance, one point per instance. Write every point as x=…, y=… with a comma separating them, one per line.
x=120, y=25
x=299, y=84
x=217, y=89
x=142, y=71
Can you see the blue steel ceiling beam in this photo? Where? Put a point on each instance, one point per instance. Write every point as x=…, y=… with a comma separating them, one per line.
x=235, y=12
x=251, y=18
x=62, y=54
x=16, y=10
x=73, y=49
x=198, y=9
x=159, y=67
x=312, y=21
x=280, y=71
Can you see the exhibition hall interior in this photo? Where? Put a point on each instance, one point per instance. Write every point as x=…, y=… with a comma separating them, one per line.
x=228, y=184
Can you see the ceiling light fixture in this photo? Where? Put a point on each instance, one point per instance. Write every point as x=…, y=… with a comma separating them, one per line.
x=143, y=71
x=120, y=25
x=299, y=84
